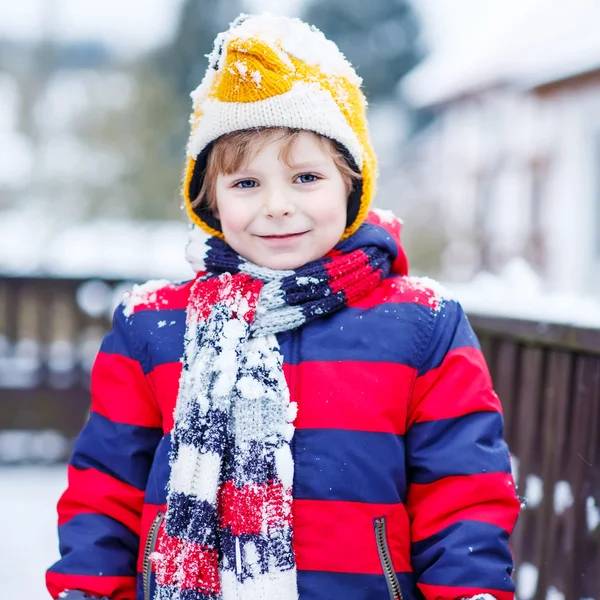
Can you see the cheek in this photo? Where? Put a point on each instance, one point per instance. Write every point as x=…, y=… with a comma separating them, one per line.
x=233, y=215
x=333, y=207
x=233, y=222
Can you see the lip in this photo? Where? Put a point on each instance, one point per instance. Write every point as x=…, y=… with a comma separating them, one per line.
x=283, y=236
x=281, y=239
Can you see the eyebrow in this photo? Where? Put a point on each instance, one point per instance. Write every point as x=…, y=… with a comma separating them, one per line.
x=308, y=165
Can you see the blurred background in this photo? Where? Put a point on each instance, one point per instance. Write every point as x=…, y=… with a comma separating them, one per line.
x=486, y=119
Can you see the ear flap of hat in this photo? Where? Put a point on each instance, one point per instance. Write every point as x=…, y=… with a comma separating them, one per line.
x=356, y=193
x=204, y=216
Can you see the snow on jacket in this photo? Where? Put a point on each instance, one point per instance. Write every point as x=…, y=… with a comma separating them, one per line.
x=402, y=477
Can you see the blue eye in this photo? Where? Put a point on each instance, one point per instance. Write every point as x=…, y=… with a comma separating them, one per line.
x=307, y=178
x=246, y=184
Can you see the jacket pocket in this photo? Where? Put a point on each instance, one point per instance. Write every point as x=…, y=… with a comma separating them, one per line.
x=148, y=550
x=386, y=558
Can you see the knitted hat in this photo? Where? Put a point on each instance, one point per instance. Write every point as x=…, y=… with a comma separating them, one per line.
x=271, y=71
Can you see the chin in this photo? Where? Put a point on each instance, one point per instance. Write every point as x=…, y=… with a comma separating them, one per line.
x=284, y=263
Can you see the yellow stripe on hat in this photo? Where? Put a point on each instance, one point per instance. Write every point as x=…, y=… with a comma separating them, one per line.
x=252, y=71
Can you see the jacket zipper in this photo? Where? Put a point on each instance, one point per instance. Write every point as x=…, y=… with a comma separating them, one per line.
x=148, y=549
x=386, y=559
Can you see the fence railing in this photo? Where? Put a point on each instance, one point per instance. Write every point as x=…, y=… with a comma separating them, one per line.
x=547, y=376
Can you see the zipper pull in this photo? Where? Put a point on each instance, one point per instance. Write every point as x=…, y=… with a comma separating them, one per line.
x=238, y=557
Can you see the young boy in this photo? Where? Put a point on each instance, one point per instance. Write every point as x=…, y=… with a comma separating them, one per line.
x=302, y=420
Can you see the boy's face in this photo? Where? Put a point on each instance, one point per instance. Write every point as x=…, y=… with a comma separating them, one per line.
x=279, y=216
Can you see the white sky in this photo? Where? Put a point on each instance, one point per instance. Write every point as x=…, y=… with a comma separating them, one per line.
x=128, y=25
x=456, y=22
x=136, y=25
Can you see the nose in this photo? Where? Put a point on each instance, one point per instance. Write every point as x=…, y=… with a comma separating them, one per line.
x=276, y=204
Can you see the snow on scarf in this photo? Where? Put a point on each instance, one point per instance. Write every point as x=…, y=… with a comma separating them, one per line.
x=228, y=527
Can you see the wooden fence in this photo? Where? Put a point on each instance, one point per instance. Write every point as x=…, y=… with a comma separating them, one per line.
x=547, y=376
x=50, y=332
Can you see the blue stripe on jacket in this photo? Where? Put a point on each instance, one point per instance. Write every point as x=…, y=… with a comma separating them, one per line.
x=336, y=464
x=330, y=465
x=323, y=340
x=94, y=544
x=156, y=489
x=164, y=343
x=315, y=585
x=452, y=331
x=466, y=553
x=103, y=443
x=467, y=445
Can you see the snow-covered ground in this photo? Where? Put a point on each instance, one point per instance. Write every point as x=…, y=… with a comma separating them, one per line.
x=28, y=544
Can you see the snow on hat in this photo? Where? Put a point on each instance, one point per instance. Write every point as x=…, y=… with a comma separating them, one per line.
x=272, y=71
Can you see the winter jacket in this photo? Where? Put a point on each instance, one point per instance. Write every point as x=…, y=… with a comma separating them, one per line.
x=402, y=477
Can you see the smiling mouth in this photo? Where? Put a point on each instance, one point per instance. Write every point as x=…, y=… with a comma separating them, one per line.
x=283, y=236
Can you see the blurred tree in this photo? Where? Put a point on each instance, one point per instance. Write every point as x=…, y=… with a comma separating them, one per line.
x=185, y=60
x=127, y=137
x=157, y=174
x=156, y=124
x=379, y=37
x=140, y=134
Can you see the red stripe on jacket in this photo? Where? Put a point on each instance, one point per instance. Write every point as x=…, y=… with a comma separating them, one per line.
x=399, y=290
x=115, y=588
x=462, y=369
x=112, y=376
x=91, y=491
x=340, y=536
x=331, y=387
x=334, y=404
x=171, y=297
x=165, y=380
x=484, y=497
x=446, y=592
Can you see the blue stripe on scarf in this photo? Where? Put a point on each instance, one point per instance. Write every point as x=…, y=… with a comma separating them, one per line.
x=183, y=510
x=259, y=472
x=263, y=544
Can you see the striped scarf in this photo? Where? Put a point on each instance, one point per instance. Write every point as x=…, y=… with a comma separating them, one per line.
x=228, y=526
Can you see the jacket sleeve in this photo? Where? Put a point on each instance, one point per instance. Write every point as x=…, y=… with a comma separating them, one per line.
x=100, y=512
x=461, y=499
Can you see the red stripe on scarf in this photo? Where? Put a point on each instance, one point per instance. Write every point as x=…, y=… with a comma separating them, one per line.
x=199, y=569
x=226, y=288
x=345, y=276
x=246, y=509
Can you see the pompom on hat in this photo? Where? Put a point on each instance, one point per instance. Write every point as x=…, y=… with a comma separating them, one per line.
x=272, y=71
